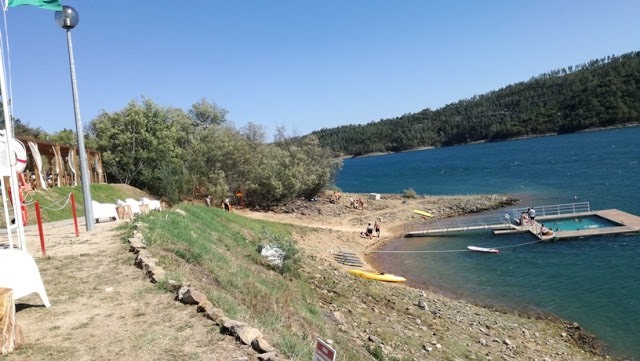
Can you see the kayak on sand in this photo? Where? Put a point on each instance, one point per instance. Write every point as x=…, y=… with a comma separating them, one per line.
x=385, y=277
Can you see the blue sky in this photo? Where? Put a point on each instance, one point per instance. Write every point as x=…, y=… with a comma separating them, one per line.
x=304, y=65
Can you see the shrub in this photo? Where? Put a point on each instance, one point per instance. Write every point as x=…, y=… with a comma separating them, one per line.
x=409, y=193
x=292, y=259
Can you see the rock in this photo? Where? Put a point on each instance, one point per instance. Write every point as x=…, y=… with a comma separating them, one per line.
x=190, y=296
x=156, y=274
x=483, y=342
x=142, y=258
x=269, y=356
x=210, y=312
x=506, y=342
x=423, y=305
x=375, y=339
x=230, y=326
x=338, y=317
x=247, y=334
x=261, y=345
x=135, y=245
x=427, y=348
x=173, y=285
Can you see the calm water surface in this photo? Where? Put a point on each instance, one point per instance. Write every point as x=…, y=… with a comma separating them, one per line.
x=593, y=281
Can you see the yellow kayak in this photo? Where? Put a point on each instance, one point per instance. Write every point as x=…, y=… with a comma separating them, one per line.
x=376, y=276
x=423, y=213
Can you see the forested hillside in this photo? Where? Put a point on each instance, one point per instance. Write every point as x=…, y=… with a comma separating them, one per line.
x=601, y=93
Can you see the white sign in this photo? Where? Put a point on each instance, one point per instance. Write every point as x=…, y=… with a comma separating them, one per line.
x=324, y=352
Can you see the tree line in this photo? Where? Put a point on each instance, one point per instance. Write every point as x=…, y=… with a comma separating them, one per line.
x=180, y=154
x=601, y=93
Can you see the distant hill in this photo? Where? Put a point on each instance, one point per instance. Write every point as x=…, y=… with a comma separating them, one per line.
x=601, y=93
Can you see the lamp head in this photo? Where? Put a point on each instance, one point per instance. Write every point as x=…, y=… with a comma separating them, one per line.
x=67, y=18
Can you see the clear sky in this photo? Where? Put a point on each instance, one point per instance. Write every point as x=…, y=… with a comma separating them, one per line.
x=304, y=65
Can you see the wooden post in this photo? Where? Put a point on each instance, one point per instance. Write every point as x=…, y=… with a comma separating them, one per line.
x=10, y=333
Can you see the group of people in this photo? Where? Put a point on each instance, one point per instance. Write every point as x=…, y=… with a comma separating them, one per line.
x=356, y=203
x=335, y=197
x=368, y=232
x=528, y=216
x=225, y=204
x=544, y=231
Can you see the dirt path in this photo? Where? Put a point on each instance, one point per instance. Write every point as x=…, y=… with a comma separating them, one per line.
x=103, y=308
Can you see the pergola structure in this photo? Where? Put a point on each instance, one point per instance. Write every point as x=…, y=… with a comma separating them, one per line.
x=59, y=164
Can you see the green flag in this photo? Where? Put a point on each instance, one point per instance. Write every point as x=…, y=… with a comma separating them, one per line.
x=44, y=4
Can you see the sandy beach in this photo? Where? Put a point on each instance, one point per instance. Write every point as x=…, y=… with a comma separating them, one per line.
x=337, y=225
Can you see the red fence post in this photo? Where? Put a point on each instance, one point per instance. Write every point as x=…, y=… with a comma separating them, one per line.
x=43, y=248
x=75, y=216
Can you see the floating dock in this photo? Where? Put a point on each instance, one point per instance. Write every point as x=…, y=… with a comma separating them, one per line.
x=623, y=223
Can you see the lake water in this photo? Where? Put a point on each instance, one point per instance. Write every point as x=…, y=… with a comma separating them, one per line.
x=593, y=281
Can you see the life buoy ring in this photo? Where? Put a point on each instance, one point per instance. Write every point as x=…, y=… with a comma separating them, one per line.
x=19, y=151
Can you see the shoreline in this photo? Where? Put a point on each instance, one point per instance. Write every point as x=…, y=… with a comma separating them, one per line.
x=343, y=224
x=584, y=339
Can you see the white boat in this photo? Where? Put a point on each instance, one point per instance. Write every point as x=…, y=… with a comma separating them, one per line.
x=482, y=249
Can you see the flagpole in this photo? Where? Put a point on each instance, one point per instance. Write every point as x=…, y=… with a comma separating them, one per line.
x=68, y=19
x=13, y=179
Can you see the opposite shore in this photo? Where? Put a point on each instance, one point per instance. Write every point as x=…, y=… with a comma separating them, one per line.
x=348, y=156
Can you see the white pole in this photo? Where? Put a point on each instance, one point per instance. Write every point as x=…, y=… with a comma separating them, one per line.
x=84, y=168
x=13, y=179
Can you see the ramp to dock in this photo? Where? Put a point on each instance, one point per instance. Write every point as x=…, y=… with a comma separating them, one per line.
x=469, y=224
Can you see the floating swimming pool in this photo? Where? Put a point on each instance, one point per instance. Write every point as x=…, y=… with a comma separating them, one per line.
x=578, y=223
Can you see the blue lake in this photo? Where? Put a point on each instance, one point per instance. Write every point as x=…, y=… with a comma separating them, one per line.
x=593, y=281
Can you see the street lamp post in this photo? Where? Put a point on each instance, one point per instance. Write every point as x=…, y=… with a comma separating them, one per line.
x=68, y=19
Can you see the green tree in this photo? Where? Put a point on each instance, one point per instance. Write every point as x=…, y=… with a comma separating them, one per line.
x=137, y=142
x=206, y=113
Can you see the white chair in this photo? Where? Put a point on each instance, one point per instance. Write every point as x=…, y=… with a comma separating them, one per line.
x=135, y=205
x=153, y=204
x=104, y=210
x=19, y=271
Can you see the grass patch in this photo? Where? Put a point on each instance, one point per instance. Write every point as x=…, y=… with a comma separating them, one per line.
x=219, y=249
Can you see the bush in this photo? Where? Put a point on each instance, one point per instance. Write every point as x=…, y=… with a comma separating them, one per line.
x=409, y=193
x=291, y=262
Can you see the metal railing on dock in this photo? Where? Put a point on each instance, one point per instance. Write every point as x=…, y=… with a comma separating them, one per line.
x=461, y=225
x=555, y=210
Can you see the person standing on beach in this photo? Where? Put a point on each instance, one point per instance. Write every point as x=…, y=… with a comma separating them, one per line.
x=226, y=205
x=376, y=227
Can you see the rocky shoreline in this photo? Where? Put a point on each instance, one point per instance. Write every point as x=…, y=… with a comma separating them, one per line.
x=420, y=323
